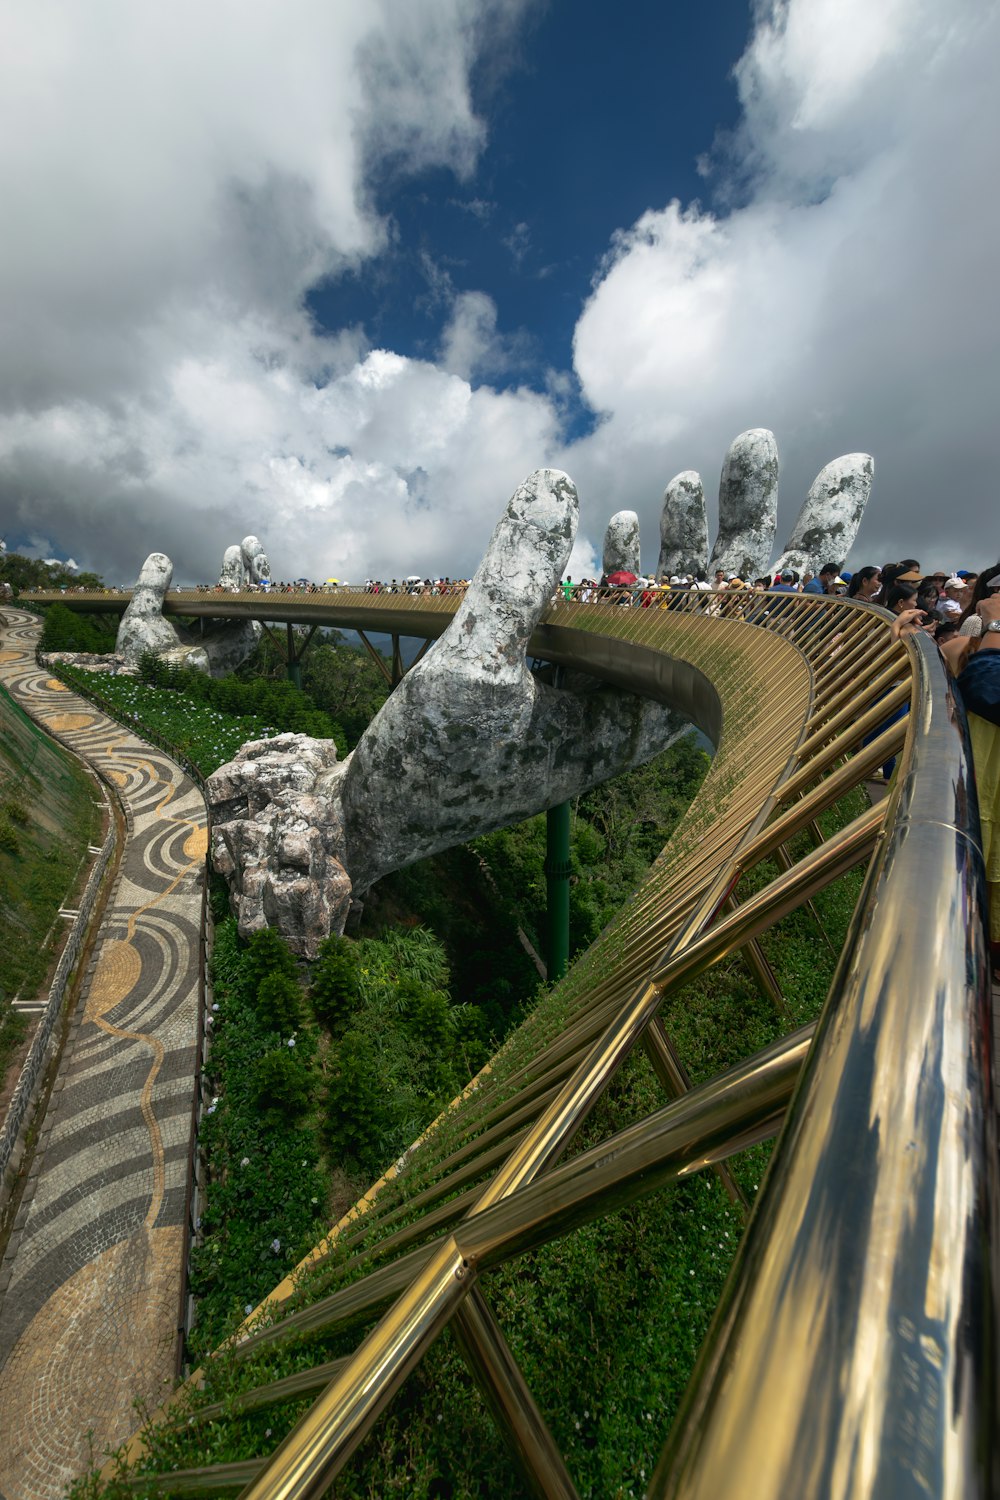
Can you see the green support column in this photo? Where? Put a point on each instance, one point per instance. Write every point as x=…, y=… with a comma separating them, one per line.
x=294, y=665
x=557, y=873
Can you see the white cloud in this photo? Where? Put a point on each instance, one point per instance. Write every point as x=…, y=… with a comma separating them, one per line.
x=174, y=181
x=470, y=334
x=849, y=301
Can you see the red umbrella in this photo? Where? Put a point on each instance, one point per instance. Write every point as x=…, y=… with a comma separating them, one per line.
x=621, y=578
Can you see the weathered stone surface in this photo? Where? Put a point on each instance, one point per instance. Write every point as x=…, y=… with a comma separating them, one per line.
x=278, y=837
x=91, y=661
x=469, y=742
x=218, y=652
x=221, y=651
x=829, y=519
x=258, y=569
x=748, y=505
x=683, y=527
x=142, y=626
x=232, y=575
x=621, y=543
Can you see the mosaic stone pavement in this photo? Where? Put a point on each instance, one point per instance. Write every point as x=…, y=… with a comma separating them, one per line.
x=88, y=1320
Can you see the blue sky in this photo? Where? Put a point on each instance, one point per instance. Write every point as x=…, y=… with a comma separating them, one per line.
x=341, y=275
x=602, y=108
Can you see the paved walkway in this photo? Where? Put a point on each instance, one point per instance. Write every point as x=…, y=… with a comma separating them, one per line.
x=88, y=1319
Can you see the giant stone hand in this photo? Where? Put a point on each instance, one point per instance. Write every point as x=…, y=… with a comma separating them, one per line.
x=218, y=652
x=470, y=741
x=824, y=530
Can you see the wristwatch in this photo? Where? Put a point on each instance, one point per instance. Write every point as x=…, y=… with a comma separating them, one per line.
x=993, y=625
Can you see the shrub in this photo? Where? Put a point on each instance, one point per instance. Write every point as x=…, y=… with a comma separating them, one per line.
x=356, y=1114
x=267, y=953
x=282, y=1085
x=266, y=1192
x=335, y=989
x=279, y=1003
x=427, y=1015
x=65, y=630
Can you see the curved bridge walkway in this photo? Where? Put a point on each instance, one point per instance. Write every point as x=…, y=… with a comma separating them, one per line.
x=88, y=1317
x=863, y=1307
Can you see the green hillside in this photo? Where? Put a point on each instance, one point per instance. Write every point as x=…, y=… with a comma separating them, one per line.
x=48, y=817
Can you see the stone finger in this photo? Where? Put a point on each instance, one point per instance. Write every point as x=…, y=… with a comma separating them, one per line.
x=683, y=527
x=748, y=505
x=831, y=514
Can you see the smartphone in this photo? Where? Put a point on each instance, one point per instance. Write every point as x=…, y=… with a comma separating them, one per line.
x=994, y=583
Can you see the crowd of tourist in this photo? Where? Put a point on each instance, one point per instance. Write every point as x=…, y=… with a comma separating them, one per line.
x=941, y=597
x=969, y=638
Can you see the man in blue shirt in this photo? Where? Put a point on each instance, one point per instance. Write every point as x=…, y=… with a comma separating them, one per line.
x=824, y=583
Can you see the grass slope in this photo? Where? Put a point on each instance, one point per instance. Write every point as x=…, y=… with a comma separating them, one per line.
x=48, y=816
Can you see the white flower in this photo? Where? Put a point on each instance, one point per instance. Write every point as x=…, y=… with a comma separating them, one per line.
x=245, y=1162
x=248, y=1309
x=291, y=1041
x=275, y=1246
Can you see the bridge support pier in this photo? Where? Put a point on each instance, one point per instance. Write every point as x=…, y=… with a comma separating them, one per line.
x=293, y=658
x=294, y=662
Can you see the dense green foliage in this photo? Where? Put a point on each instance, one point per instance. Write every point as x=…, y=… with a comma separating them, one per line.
x=267, y=1188
x=340, y=678
x=304, y=1115
x=65, y=630
x=276, y=701
x=335, y=987
x=402, y=1053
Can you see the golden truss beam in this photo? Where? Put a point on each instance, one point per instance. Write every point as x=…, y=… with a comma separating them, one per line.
x=852, y=1351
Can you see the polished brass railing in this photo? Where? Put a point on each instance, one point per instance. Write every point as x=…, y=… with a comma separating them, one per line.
x=853, y=1350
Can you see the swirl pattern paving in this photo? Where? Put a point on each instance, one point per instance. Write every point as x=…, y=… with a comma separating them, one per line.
x=88, y=1321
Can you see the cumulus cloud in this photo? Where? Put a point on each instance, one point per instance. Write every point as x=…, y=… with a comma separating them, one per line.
x=846, y=297
x=174, y=182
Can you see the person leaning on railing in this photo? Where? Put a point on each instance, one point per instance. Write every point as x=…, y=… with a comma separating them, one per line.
x=973, y=657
